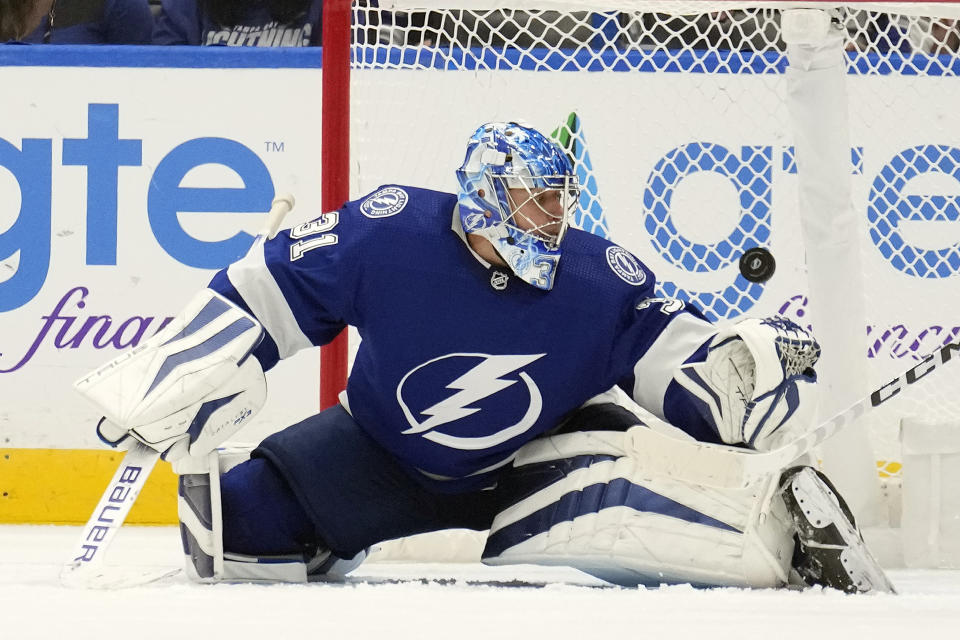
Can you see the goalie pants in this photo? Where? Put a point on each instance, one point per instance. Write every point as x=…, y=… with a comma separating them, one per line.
x=349, y=493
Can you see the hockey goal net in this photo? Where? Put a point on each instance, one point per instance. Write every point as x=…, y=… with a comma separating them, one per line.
x=688, y=122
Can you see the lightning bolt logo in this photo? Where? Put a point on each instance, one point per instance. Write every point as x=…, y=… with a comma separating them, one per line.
x=384, y=203
x=482, y=381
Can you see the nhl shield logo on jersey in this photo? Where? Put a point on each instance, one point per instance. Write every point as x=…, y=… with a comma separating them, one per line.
x=473, y=397
x=626, y=266
x=384, y=203
x=499, y=280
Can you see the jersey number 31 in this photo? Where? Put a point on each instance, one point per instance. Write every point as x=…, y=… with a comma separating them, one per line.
x=309, y=231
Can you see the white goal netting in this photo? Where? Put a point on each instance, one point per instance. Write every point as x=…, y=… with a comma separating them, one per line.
x=678, y=117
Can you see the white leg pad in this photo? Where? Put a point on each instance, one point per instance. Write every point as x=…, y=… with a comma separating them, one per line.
x=201, y=525
x=603, y=515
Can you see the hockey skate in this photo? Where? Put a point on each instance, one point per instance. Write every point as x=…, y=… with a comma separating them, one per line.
x=830, y=551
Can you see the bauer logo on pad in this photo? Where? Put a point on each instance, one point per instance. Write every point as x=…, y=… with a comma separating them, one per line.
x=384, y=203
x=626, y=266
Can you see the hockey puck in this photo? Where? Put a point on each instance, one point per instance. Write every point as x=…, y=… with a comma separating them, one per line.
x=757, y=264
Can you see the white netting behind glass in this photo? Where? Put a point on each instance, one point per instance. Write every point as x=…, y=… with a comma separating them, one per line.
x=675, y=113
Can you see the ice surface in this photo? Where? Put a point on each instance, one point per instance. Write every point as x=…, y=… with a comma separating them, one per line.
x=450, y=601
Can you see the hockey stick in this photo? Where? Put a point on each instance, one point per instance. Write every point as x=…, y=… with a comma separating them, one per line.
x=733, y=467
x=86, y=565
x=85, y=568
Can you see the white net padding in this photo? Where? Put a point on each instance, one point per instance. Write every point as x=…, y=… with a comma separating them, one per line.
x=676, y=114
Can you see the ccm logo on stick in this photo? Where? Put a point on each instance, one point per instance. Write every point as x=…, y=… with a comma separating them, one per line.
x=922, y=368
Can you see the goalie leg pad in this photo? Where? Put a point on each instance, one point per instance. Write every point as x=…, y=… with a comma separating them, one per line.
x=601, y=514
x=244, y=526
x=196, y=526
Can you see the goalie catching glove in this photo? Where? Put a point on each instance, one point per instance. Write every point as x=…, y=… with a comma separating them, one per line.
x=757, y=382
x=188, y=388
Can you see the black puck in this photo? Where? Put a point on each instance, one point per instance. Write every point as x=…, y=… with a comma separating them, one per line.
x=757, y=264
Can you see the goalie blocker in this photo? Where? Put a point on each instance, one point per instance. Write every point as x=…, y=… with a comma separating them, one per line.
x=186, y=389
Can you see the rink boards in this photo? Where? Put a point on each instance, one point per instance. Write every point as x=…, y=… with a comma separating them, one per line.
x=129, y=176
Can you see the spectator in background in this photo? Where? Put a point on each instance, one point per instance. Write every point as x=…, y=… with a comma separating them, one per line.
x=239, y=23
x=879, y=32
x=946, y=36
x=76, y=21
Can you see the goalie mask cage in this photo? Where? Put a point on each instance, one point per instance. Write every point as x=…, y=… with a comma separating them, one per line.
x=825, y=132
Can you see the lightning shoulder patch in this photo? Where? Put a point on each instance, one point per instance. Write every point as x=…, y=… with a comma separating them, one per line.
x=386, y=202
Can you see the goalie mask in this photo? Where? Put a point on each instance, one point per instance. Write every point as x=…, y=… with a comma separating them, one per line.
x=518, y=190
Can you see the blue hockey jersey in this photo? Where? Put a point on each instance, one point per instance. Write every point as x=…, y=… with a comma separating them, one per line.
x=460, y=362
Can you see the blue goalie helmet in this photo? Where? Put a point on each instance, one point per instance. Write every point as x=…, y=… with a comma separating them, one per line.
x=518, y=190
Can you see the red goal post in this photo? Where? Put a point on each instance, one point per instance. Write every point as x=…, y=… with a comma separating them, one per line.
x=700, y=130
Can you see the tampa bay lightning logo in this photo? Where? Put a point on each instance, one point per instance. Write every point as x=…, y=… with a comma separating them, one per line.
x=384, y=203
x=626, y=266
x=473, y=221
x=487, y=375
x=521, y=260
